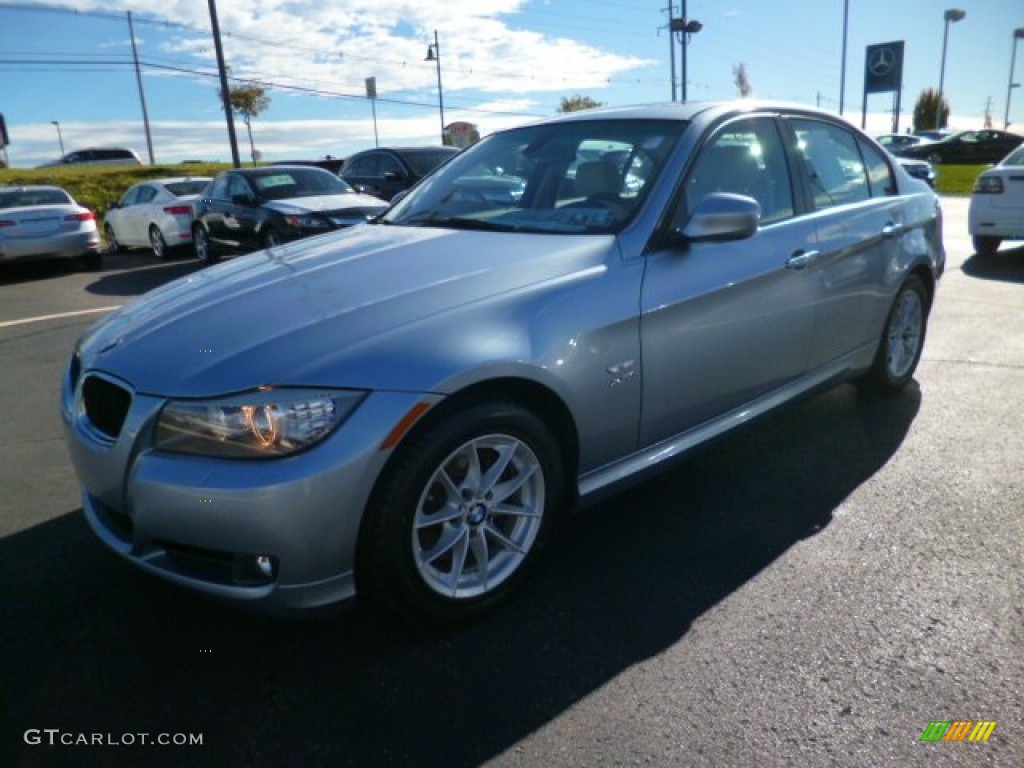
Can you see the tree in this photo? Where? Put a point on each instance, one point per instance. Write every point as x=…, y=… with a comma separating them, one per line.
x=247, y=101
x=739, y=76
x=924, y=111
x=578, y=103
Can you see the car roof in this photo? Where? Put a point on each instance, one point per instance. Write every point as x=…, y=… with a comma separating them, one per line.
x=35, y=187
x=173, y=180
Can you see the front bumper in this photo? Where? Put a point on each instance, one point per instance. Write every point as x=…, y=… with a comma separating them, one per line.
x=276, y=535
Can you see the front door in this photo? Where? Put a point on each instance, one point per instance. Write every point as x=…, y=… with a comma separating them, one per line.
x=724, y=323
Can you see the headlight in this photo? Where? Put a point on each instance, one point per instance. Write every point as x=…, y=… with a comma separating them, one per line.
x=265, y=423
x=306, y=222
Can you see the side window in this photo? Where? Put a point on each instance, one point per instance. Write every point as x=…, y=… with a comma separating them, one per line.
x=746, y=157
x=219, y=188
x=146, y=194
x=130, y=197
x=879, y=173
x=834, y=165
x=238, y=188
x=388, y=164
x=365, y=166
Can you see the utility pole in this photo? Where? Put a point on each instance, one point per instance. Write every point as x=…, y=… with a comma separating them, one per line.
x=225, y=95
x=671, y=52
x=142, y=93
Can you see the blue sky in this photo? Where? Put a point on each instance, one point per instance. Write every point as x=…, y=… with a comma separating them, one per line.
x=504, y=62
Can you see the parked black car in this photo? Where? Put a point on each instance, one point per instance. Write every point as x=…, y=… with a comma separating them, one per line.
x=251, y=208
x=986, y=146
x=386, y=171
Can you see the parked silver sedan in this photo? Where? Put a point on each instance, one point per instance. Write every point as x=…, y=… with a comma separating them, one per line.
x=154, y=214
x=38, y=222
x=405, y=408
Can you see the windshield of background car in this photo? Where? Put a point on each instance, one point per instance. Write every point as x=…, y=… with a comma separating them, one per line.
x=423, y=162
x=179, y=188
x=280, y=184
x=568, y=177
x=22, y=198
x=1014, y=158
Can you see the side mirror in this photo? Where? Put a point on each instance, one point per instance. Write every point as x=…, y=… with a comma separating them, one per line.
x=722, y=216
x=113, y=205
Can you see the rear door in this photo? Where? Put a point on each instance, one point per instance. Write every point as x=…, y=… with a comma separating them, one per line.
x=859, y=220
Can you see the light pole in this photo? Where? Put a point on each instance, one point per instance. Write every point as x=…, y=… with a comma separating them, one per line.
x=1018, y=34
x=954, y=15
x=684, y=28
x=59, y=137
x=434, y=55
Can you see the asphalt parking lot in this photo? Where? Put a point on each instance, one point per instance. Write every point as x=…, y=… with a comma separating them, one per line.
x=813, y=590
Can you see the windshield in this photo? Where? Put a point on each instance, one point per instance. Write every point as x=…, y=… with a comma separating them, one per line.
x=191, y=187
x=570, y=177
x=1014, y=158
x=22, y=198
x=280, y=184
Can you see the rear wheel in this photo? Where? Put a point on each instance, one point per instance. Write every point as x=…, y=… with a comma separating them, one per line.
x=204, y=249
x=902, y=339
x=986, y=245
x=934, y=158
x=271, y=239
x=462, y=513
x=157, y=242
x=112, y=245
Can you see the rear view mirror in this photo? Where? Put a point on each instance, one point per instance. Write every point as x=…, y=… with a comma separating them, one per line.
x=722, y=216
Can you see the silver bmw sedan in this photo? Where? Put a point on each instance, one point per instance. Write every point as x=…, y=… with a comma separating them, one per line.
x=404, y=409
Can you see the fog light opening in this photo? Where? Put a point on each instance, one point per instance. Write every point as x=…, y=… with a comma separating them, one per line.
x=252, y=570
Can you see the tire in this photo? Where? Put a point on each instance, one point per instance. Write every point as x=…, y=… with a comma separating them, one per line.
x=899, y=350
x=986, y=245
x=444, y=542
x=934, y=158
x=157, y=243
x=112, y=245
x=203, y=246
x=272, y=239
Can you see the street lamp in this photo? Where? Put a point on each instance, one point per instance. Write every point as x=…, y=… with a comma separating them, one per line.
x=684, y=29
x=59, y=137
x=434, y=55
x=954, y=15
x=1018, y=34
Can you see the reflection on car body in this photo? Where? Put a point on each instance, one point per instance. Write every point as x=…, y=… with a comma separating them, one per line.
x=405, y=407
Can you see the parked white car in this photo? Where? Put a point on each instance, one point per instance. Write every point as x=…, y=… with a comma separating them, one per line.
x=997, y=204
x=155, y=214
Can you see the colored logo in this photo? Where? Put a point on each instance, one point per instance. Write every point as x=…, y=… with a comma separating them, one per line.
x=958, y=730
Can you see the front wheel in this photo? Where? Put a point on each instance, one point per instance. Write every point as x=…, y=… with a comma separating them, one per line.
x=986, y=245
x=902, y=339
x=204, y=249
x=462, y=512
x=934, y=158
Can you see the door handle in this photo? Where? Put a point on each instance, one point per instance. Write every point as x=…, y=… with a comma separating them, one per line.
x=889, y=230
x=801, y=259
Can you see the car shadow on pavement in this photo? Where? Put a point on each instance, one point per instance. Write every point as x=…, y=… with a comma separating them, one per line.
x=1006, y=265
x=138, y=281
x=89, y=645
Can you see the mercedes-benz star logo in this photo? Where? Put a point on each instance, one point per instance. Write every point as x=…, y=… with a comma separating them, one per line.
x=882, y=62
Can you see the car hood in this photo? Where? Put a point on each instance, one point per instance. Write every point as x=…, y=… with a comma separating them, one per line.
x=368, y=307
x=296, y=206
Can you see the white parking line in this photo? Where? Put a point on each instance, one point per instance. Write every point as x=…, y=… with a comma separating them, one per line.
x=41, y=318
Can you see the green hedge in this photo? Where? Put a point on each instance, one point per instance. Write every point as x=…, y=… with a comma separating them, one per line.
x=96, y=187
